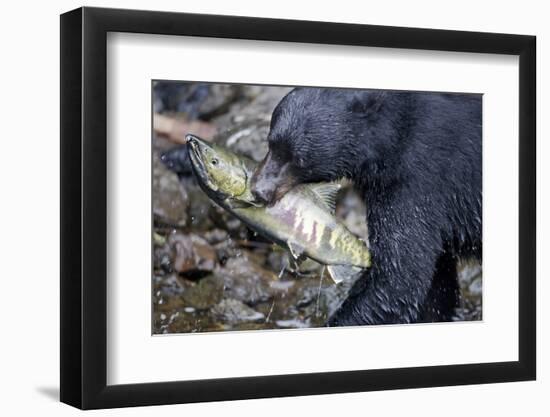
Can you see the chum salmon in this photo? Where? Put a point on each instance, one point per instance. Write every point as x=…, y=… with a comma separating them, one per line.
x=302, y=221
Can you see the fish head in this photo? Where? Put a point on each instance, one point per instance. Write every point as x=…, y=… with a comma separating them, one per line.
x=219, y=171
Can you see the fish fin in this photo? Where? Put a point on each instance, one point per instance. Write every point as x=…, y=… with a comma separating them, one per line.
x=327, y=193
x=295, y=264
x=296, y=250
x=339, y=273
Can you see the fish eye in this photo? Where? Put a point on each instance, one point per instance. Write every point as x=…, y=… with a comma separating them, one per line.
x=214, y=161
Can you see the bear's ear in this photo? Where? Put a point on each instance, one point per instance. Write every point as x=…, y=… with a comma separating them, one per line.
x=367, y=103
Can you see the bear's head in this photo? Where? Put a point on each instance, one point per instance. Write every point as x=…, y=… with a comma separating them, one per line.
x=318, y=134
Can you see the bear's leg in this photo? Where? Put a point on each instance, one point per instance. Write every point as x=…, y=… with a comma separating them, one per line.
x=397, y=285
x=373, y=302
x=444, y=293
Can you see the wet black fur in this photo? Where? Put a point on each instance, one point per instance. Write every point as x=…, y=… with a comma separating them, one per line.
x=416, y=159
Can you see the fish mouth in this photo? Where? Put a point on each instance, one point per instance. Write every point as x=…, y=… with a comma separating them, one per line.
x=194, y=143
x=194, y=148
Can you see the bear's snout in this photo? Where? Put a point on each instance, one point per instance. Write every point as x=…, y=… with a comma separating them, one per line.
x=271, y=180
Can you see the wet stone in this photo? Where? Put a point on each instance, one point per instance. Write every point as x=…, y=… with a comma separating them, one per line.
x=233, y=311
x=246, y=281
x=224, y=220
x=216, y=236
x=200, y=206
x=218, y=100
x=170, y=200
x=193, y=323
x=468, y=271
x=470, y=281
x=194, y=100
x=276, y=260
x=248, y=140
x=162, y=259
x=282, y=285
x=204, y=293
x=227, y=250
x=168, y=286
x=334, y=295
x=192, y=254
x=309, y=295
x=475, y=287
x=293, y=324
x=244, y=128
x=256, y=106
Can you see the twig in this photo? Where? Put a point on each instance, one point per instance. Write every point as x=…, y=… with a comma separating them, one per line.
x=270, y=310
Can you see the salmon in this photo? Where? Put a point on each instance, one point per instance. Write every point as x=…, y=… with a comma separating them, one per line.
x=302, y=221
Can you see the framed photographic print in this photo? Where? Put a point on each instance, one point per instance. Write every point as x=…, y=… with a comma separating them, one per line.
x=256, y=208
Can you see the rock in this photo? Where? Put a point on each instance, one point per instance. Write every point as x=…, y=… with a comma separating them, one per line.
x=205, y=215
x=281, y=285
x=200, y=206
x=293, y=324
x=233, y=311
x=264, y=100
x=170, y=200
x=224, y=220
x=276, y=260
x=219, y=99
x=215, y=236
x=245, y=127
x=176, y=159
x=226, y=250
x=194, y=99
x=203, y=294
x=334, y=295
x=257, y=105
x=247, y=281
x=309, y=295
x=471, y=286
x=162, y=257
x=248, y=139
x=194, y=322
x=468, y=271
x=168, y=286
x=192, y=254
x=475, y=287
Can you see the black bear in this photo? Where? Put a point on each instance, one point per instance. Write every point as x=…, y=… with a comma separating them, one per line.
x=416, y=159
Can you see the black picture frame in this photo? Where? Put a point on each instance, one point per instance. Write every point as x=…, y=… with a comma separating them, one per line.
x=84, y=207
